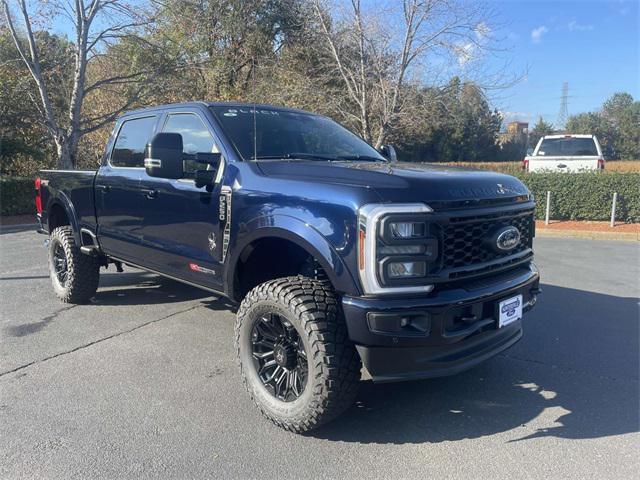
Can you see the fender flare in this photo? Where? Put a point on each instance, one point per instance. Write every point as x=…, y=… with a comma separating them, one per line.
x=63, y=201
x=304, y=236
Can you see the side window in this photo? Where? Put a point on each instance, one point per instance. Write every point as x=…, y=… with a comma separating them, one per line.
x=195, y=137
x=133, y=136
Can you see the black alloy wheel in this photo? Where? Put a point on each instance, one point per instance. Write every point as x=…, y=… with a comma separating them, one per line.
x=60, y=265
x=279, y=357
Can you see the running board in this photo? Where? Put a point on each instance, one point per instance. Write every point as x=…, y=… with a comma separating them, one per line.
x=92, y=251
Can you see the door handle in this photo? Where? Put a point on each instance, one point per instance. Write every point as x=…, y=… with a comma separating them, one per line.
x=103, y=188
x=150, y=192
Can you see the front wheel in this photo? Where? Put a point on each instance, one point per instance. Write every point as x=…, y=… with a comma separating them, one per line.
x=296, y=359
x=74, y=275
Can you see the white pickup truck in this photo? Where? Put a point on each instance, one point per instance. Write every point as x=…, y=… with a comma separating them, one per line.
x=565, y=153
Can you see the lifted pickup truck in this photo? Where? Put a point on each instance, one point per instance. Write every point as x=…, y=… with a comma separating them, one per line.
x=337, y=255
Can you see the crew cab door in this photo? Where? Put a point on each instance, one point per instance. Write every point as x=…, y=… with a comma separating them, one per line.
x=118, y=197
x=181, y=224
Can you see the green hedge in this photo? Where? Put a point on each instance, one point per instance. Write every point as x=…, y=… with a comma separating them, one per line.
x=17, y=196
x=586, y=196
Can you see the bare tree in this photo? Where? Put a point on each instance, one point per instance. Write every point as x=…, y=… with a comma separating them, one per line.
x=96, y=24
x=377, y=53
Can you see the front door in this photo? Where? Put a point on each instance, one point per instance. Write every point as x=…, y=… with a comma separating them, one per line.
x=181, y=227
x=118, y=197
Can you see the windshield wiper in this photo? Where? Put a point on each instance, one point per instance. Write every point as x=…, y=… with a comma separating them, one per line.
x=310, y=156
x=297, y=156
x=319, y=156
x=366, y=158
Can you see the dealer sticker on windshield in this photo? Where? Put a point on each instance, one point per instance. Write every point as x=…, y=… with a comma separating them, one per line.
x=509, y=311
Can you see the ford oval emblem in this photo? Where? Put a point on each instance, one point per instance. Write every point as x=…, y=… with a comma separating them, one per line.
x=507, y=238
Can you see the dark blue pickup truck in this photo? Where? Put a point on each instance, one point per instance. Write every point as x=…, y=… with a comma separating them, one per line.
x=337, y=254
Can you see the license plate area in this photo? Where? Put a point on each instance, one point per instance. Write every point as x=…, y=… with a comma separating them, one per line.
x=509, y=310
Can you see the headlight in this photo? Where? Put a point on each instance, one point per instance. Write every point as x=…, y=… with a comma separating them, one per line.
x=394, y=248
x=406, y=269
x=408, y=229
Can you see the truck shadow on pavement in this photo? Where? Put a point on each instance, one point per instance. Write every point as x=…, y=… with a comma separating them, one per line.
x=142, y=288
x=574, y=375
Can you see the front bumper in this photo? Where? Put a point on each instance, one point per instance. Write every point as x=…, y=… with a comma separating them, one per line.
x=438, y=334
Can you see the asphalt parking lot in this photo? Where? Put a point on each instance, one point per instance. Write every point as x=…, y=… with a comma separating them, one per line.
x=142, y=383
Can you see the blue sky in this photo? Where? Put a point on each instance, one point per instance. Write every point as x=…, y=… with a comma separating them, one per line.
x=592, y=45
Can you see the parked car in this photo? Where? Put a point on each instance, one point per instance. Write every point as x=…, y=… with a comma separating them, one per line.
x=337, y=255
x=565, y=153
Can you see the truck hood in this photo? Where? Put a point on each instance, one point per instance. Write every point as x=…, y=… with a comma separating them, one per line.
x=402, y=182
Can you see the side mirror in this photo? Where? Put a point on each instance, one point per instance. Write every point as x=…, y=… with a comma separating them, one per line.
x=389, y=152
x=204, y=178
x=163, y=156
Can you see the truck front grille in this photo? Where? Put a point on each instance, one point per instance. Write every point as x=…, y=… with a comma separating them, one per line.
x=465, y=247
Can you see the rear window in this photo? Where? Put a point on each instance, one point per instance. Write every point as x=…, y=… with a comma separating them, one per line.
x=567, y=147
x=132, y=139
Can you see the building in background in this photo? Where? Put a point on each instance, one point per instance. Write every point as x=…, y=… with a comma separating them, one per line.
x=515, y=132
x=513, y=141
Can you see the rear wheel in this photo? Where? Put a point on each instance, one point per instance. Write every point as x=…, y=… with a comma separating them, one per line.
x=297, y=361
x=74, y=276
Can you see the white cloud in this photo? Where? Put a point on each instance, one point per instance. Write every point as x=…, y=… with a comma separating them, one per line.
x=574, y=26
x=464, y=52
x=537, y=33
x=482, y=31
x=508, y=116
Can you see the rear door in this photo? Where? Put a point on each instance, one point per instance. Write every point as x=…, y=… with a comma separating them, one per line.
x=181, y=226
x=566, y=154
x=119, y=199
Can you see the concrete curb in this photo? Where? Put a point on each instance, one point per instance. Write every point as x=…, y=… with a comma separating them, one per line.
x=589, y=235
x=23, y=227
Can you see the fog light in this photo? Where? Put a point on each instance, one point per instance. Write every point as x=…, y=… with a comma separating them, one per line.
x=407, y=229
x=406, y=269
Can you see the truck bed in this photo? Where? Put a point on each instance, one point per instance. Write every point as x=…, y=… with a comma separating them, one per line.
x=70, y=189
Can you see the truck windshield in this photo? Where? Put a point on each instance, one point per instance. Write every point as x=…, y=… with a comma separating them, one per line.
x=287, y=134
x=567, y=147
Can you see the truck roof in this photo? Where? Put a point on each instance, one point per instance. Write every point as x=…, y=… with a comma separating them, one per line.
x=262, y=106
x=572, y=135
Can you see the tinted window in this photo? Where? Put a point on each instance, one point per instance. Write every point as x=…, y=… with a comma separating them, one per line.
x=280, y=132
x=567, y=147
x=132, y=138
x=195, y=136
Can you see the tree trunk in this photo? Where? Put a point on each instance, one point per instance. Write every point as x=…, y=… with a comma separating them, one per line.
x=65, y=159
x=382, y=136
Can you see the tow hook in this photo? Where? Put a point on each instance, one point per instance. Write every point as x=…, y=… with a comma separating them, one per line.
x=534, y=296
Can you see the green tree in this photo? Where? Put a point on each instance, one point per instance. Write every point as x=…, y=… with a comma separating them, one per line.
x=623, y=115
x=25, y=145
x=593, y=123
x=227, y=46
x=96, y=26
x=450, y=124
x=540, y=129
x=617, y=126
